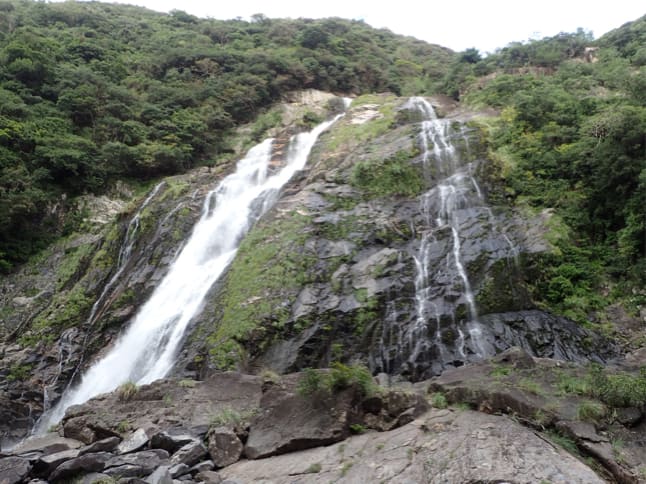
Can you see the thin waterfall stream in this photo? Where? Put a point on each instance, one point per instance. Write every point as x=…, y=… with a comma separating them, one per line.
x=441, y=208
x=147, y=349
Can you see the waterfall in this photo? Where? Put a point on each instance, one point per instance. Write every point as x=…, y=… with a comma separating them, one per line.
x=148, y=348
x=442, y=208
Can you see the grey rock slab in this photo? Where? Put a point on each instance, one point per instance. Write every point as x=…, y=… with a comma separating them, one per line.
x=104, y=445
x=48, y=463
x=161, y=475
x=134, y=442
x=86, y=463
x=126, y=470
x=189, y=454
x=178, y=470
x=207, y=465
x=147, y=460
x=13, y=470
x=47, y=444
x=225, y=447
x=439, y=447
x=289, y=421
x=170, y=441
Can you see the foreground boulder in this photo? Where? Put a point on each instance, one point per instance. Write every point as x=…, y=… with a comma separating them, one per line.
x=443, y=446
x=13, y=470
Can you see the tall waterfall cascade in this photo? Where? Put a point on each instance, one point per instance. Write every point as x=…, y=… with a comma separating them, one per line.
x=147, y=349
x=445, y=328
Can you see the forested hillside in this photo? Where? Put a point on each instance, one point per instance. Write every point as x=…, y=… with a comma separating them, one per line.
x=93, y=92
x=571, y=136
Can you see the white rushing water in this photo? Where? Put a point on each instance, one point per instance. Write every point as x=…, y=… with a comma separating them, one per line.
x=148, y=348
x=441, y=208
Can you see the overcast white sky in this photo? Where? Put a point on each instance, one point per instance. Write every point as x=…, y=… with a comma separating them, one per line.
x=457, y=24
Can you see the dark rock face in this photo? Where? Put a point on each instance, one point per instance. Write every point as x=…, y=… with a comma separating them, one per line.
x=13, y=469
x=288, y=422
x=225, y=447
x=354, y=251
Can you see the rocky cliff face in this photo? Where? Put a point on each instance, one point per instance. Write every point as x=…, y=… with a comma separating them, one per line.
x=331, y=273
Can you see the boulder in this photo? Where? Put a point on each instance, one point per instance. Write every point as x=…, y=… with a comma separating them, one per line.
x=46, y=464
x=441, y=446
x=171, y=440
x=86, y=463
x=134, y=442
x=137, y=463
x=189, y=454
x=161, y=475
x=104, y=445
x=178, y=470
x=225, y=447
x=289, y=421
x=207, y=465
x=47, y=444
x=13, y=470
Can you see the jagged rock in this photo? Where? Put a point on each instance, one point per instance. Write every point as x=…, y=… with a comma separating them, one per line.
x=135, y=441
x=209, y=477
x=85, y=463
x=288, y=421
x=144, y=461
x=46, y=464
x=161, y=475
x=580, y=431
x=170, y=440
x=178, y=470
x=189, y=454
x=207, y=465
x=47, y=444
x=225, y=447
x=85, y=428
x=125, y=471
x=390, y=409
x=442, y=446
x=604, y=453
x=629, y=416
x=13, y=470
x=105, y=445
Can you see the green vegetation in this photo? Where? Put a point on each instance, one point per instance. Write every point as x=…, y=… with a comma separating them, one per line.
x=314, y=468
x=438, y=400
x=570, y=137
x=591, y=411
x=127, y=391
x=339, y=378
x=619, y=389
x=393, y=176
x=228, y=417
x=357, y=429
x=270, y=268
x=19, y=372
x=93, y=92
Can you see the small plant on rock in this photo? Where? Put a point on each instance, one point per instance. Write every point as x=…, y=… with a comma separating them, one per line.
x=314, y=468
x=438, y=400
x=591, y=411
x=126, y=391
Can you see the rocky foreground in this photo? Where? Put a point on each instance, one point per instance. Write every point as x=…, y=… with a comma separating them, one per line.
x=240, y=428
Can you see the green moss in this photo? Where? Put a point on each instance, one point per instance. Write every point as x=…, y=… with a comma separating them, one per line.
x=261, y=284
x=19, y=372
x=67, y=309
x=71, y=263
x=395, y=175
